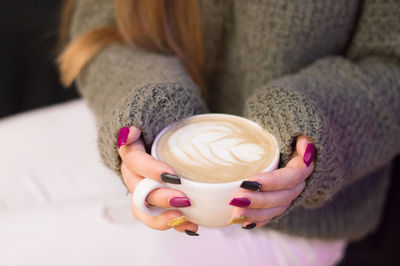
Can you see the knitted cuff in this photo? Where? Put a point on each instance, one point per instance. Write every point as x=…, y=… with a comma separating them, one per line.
x=150, y=108
x=287, y=114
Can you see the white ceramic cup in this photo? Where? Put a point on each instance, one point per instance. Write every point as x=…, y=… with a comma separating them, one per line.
x=209, y=201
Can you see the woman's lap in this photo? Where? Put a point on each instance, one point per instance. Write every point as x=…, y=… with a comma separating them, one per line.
x=60, y=206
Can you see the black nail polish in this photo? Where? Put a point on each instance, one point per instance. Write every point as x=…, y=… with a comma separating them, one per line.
x=250, y=226
x=191, y=233
x=172, y=179
x=251, y=185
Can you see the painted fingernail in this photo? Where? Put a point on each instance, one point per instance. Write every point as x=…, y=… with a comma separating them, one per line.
x=172, y=179
x=177, y=221
x=179, y=202
x=309, y=154
x=249, y=226
x=239, y=220
x=191, y=233
x=251, y=185
x=240, y=202
x=122, y=136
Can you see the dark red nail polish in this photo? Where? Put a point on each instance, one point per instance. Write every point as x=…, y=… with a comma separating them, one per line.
x=309, y=154
x=122, y=136
x=179, y=202
x=240, y=202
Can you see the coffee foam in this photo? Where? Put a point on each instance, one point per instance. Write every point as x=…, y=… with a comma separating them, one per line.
x=214, y=149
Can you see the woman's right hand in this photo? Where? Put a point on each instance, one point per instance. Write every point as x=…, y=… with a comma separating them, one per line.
x=136, y=165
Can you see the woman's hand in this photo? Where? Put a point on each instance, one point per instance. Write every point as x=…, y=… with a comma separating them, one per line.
x=136, y=165
x=266, y=195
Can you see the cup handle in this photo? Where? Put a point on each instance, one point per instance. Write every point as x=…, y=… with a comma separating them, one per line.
x=142, y=190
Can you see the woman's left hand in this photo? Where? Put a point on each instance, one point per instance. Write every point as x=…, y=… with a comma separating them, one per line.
x=266, y=195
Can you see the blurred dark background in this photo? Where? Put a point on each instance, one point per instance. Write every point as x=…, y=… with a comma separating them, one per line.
x=29, y=79
x=28, y=76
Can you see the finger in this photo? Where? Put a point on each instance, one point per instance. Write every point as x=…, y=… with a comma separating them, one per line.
x=298, y=165
x=251, y=225
x=167, y=197
x=271, y=199
x=127, y=135
x=297, y=169
x=256, y=215
x=164, y=221
x=162, y=197
x=138, y=161
x=306, y=149
x=142, y=163
x=301, y=143
x=137, y=145
x=130, y=179
x=191, y=227
x=280, y=179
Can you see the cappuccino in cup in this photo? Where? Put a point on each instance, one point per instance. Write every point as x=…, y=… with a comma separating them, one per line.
x=212, y=154
x=216, y=148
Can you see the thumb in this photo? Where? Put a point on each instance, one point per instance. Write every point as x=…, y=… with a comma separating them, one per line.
x=127, y=135
x=306, y=149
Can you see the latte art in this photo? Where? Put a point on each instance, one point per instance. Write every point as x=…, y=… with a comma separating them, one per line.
x=216, y=149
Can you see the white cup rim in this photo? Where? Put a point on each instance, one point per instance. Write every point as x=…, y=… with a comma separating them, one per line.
x=272, y=165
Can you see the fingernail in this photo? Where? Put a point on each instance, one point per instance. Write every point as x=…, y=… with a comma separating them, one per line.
x=172, y=179
x=240, y=202
x=179, y=202
x=177, y=221
x=122, y=136
x=309, y=154
x=251, y=185
x=239, y=220
x=249, y=226
x=191, y=233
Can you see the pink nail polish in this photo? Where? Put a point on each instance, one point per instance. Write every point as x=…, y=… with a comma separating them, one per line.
x=240, y=202
x=309, y=154
x=179, y=202
x=122, y=136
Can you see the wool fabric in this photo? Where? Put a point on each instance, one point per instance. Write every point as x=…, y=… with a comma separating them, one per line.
x=326, y=69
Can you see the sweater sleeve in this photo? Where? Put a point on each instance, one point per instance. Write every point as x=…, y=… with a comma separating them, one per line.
x=349, y=105
x=126, y=86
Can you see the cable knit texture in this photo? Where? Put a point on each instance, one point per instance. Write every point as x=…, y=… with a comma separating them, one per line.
x=326, y=69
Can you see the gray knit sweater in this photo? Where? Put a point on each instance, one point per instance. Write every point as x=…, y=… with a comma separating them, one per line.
x=326, y=69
